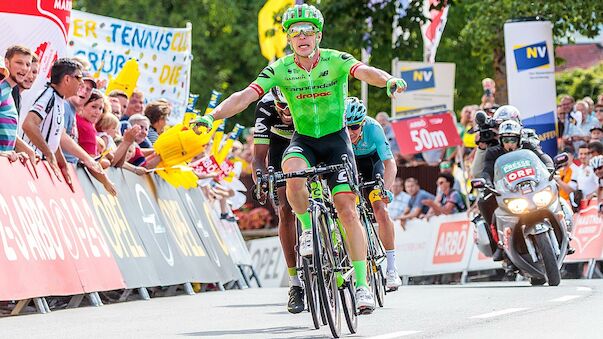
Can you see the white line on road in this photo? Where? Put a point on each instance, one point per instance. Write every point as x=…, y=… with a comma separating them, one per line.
x=497, y=313
x=395, y=335
x=565, y=298
x=583, y=289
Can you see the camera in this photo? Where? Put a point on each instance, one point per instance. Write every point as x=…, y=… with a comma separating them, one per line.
x=486, y=126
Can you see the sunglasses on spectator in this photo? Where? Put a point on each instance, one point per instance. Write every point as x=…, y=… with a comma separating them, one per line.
x=598, y=168
x=306, y=30
x=599, y=110
x=355, y=127
x=509, y=140
x=77, y=77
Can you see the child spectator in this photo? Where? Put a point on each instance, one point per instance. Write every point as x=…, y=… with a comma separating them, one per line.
x=86, y=119
x=106, y=129
x=158, y=113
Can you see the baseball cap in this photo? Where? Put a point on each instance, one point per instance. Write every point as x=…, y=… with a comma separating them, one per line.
x=596, y=128
x=3, y=70
x=87, y=75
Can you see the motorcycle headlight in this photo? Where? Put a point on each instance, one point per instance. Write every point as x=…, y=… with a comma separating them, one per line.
x=517, y=206
x=543, y=198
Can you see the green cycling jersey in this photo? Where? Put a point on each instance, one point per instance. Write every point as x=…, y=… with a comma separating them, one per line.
x=316, y=98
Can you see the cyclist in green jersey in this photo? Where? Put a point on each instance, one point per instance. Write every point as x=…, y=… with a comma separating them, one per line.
x=314, y=83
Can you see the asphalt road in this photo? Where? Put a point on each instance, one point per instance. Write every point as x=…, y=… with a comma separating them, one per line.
x=496, y=310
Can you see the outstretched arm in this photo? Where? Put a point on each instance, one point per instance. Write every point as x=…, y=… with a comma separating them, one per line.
x=371, y=75
x=235, y=103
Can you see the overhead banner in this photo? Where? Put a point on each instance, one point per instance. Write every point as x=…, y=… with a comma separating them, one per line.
x=40, y=25
x=163, y=55
x=426, y=133
x=531, y=77
x=430, y=87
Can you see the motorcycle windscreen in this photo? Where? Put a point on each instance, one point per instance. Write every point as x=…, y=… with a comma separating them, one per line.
x=515, y=168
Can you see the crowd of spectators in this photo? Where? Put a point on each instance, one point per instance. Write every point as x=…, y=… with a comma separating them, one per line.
x=74, y=121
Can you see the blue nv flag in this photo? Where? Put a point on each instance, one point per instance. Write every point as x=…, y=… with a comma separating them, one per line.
x=531, y=56
x=420, y=78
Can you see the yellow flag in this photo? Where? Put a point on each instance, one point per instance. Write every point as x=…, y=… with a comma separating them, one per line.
x=272, y=38
x=126, y=79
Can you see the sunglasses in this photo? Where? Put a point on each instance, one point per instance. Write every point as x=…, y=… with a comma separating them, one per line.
x=281, y=105
x=598, y=168
x=355, y=127
x=509, y=140
x=77, y=77
x=306, y=30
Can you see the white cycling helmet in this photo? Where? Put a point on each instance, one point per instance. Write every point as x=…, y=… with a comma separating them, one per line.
x=507, y=112
x=596, y=162
x=278, y=95
x=509, y=128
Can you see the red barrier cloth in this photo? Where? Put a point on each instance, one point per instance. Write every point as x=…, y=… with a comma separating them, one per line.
x=425, y=133
x=50, y=242
x=587, y=233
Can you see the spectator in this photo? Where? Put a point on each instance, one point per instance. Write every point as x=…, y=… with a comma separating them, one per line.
x=158, y=114
x=448, y=201
x=135, y=105
x=566, y=104
x=43, y=124
x=416, y=207
x=600, y=99
x=397, y=207
x=9, y=118
x=579, y=125
x=448, y=167
x=141, y=155
x=106, y=129
x=18, y=61
x=591, y=105
x=86, y=119
x=122, y=99
x=587, y=182
x=568, y=175
x=595, y=148
x=599, y=113
x=596, y=134
x=383, y=119
x=466, y=125
x=73, y=105
x=31, y=77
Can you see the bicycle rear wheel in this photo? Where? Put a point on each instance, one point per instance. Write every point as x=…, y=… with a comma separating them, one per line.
x=348, y=303
x=311, y=289
x=375, y=275
x=324, y=265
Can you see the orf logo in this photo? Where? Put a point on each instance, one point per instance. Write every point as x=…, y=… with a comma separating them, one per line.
x=531, y=56
x=452, y=240
x=417, y=79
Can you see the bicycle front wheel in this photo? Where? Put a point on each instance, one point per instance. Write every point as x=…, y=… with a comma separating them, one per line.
x=324, y=265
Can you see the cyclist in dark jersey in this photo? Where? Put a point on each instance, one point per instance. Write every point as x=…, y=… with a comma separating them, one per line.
x=314, y=82
x=374, y=156
x=272, y=134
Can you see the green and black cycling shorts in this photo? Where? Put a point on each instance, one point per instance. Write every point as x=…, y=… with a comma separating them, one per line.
x=368, y=167
x=276, y=150
x=325, y=150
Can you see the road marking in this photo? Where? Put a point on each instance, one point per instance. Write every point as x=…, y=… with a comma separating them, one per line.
x=497, y=313
x=565, y=298
x=583, y=289
x=395, y=335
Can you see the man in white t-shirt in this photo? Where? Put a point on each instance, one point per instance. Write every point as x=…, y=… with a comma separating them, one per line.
x=587, y=181
x=43, y=124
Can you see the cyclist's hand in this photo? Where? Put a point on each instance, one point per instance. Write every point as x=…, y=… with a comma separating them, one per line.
x=387, y=196
x=205, y=121
x=395, y=85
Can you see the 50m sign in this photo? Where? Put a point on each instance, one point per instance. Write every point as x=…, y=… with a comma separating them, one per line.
x=425, y=133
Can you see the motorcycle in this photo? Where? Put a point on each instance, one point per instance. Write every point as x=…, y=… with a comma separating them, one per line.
x=532, y=223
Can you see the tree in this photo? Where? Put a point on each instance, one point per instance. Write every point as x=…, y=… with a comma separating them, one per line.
x=580, y=83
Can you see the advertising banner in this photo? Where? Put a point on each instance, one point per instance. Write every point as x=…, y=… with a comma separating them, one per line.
x=430, y=86
x=50, y=242
x=531, y=77
x=163, y=55
x=269, y=261
x=40, y=25
x=426, y=133
x=588, y=234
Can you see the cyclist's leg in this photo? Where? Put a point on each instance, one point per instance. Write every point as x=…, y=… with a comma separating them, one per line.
x=286, y=219
x=344, y=199
x=299, y=156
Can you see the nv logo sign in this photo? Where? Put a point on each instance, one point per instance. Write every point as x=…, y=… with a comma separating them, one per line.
x=532, y=56
x=417, y=79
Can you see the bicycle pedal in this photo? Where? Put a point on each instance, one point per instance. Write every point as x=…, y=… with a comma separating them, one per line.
x=393, y=289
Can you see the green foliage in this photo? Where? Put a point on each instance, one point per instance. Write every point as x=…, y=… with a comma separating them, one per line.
x=581, y=82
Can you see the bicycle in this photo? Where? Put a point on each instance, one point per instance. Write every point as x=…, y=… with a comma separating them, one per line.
x=376, y=251
x=328, y=273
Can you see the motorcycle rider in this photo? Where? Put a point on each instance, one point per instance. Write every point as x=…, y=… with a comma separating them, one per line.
x=510, y=136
